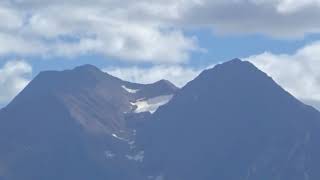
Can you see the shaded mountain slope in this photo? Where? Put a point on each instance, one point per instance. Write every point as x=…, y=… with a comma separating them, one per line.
x=233, y=122
x=73, y=124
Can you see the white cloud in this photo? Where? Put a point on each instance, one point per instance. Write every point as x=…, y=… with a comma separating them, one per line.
x=134, y=43
x=14, y=76
x=15, y=44
x=101, y=27
x=10, y=18
x=290, y=6
x=276, y=18
x=298, y=73
x=147, y=31
x=178, y=75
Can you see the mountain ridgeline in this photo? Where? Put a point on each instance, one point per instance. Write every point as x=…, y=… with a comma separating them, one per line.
x=76, y=124
x=232, y=122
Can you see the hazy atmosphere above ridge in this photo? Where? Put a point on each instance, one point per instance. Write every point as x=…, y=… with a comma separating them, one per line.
x=146, y=41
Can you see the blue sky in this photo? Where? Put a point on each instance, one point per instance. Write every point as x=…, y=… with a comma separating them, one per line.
x=144, y=41
x=216, y=49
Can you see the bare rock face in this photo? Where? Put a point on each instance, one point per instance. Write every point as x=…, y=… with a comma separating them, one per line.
x=74, y=124
x=233, y=122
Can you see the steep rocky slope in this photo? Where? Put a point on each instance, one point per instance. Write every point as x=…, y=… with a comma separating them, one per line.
x=76, y=124
x=233, y=122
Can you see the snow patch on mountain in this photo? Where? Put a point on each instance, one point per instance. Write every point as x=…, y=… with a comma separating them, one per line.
x=109, y=154
x=120, y=138
x=129, y=90
x=151, y=104
x=138, y=157
x=132, y=144
x=160, y=177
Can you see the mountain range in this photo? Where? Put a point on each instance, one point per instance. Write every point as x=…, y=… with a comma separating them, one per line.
x=232, y=122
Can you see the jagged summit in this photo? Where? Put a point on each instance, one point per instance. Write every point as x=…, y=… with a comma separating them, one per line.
x=231, y=122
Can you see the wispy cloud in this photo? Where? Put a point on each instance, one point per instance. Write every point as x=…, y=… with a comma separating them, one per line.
x=14, y=76
x=298, y=73
x=143, y=31
x=110, y=28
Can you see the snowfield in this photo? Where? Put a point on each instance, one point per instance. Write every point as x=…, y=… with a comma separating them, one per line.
x=152, y=104
x=130, y=90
